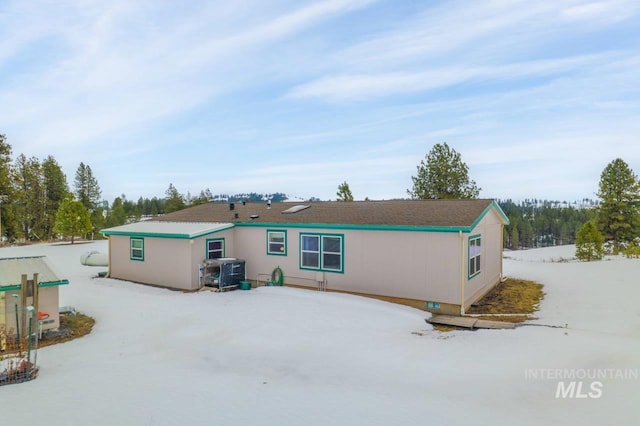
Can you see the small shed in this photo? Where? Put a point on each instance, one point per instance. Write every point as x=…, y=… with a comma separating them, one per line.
x=15, y=297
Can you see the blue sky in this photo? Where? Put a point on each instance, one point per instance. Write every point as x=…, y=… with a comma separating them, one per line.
x=299, y=96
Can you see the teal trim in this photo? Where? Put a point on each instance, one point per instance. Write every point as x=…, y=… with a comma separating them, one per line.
x=163, y=235
x=132, y=248
x=321, y=252
x=281, y=231
x=53, y=283
x=22, y=257
x=486, y=211
x=207, y=251
x=469, y=240
x=40, y=285
x=357, y=227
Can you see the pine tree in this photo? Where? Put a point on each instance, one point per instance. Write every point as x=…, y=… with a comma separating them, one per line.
x=56, y=189
x=344, y=192
x=7, y=222
x=443, y=176
x=117, y=216
x=589, y=242
x=29, y=197
x=73, y=219
x=619, y=211
x=86, y=187
x=174, y=200
x=204, y=197
x=515, y=238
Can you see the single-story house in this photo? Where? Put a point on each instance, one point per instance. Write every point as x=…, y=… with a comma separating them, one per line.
x=442, y=254
x=16, y=294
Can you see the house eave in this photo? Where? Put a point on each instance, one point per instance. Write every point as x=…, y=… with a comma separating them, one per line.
x=357, y=227
x=40, y=285
x=178, y=236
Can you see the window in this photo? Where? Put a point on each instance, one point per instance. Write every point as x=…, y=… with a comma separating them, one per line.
x=310, y=251
x=332, y=253
x=277, y=242
x=475, y=248
x=136, y=251
x=215, y=248
x=322, y=252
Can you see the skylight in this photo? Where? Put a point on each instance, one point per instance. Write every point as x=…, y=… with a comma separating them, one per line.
x=295, y=209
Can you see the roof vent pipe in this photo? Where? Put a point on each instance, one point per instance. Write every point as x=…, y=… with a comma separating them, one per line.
x=232, y=206
x=235, y=215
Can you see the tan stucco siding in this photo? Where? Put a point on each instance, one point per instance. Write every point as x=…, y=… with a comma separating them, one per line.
x=489, y=229
x=199, y=252
x=251, y=243
x=414, y=265
x=167, y=262
x=47, y=302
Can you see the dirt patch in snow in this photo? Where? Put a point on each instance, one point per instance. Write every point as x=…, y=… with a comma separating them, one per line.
x=71, y=327
x=513, y=296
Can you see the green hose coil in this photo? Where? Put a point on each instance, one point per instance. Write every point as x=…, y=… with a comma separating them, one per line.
x=277, y=276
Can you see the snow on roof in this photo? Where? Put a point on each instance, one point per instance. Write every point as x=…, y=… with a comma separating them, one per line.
x=187, y=230
x=12, y=269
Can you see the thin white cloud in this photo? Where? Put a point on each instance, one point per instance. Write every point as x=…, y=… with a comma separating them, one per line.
x=361, y=87
x=226, y=94
x=119, y=71
x=601, y=11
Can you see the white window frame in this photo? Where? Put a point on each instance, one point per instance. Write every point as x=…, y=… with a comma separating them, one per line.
x=132, y=249
x=220, y=250
x=475, y=259
x=282, y=234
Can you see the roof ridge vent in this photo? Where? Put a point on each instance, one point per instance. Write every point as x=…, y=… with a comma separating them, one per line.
x=296, y=208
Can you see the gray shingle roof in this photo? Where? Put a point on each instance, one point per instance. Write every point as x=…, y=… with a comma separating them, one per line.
x=424, y=213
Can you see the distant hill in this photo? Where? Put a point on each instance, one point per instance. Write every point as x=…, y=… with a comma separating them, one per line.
x=253, y=196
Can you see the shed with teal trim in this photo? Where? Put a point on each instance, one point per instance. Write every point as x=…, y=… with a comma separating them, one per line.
x=11, y=271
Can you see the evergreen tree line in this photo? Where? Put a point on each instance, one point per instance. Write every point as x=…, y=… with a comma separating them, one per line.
x=36, y=203
x=123, y=210
x=30, y=194
x=544, y=223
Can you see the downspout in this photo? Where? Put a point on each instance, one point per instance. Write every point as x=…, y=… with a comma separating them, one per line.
x=501, y=252
x=109, y=256
x=462, y=263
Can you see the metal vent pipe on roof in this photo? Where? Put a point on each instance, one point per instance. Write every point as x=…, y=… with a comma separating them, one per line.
x=232, y=206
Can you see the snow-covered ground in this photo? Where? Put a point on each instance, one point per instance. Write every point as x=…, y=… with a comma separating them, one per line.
x=283, y=356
